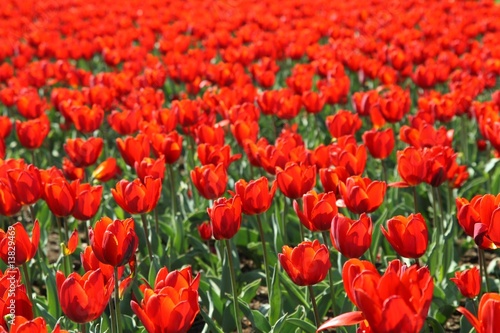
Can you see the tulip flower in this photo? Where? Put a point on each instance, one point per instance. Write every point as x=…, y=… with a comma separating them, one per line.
x=83, y=153
x=208, y=154
x=24, y=248
x=210, y=180
x=91, y=263
x=5, y=127
x=60, y=196
x=125, y=122
x=351, y=237
x=379, y=143
x=24, y=325
x=255, y=195
x=205, y=230
x=31, y=133
x=487, y=316
x=107, y=170
x=306, y=264
x=173, y=303
x=244, y=130
x=318, y=210
x=225, y=217
x=87, y=119
x=26, y=184
x=133, y=149
x=343, y=123
x=331, y=177
x=398, y=301
x=113, y=242
x=84, y=298
x=408, y=236
x=136, y=197
x=70, y=248
x=87, y=200
x=411, y=167
x=150, y=167
x=12, y=291
x=168, y=145
x=211, y=135
x=468, y=282
x=362, y=195
x=71, y=172
x=296, y=179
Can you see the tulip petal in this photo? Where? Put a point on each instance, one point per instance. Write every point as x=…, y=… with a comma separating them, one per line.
x=345, y=319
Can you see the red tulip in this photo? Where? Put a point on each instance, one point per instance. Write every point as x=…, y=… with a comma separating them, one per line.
x=411, y=166
x=255, y=195
x=26, y=184
x=362, y=195
x=136, y=197
x=31, y=133
x=487, y=316
x=208, y=154
x=352, y=238
x=205, y=231
x=296, y=179
x=87, y=200
x=71, y=172
x=379, y=143
x=91, y=263
x=87, y=119
x=168, y=145
x=107, y=170
x=408, y=236
x=60, y=196
x=5, y=127
x=343, y=123
x=114, y=242
x=84, y=298
x=23, y=325
x=16, y=240
x=13, y=296
x=306, y=264
x=83, y=153
x=468, y=282
x=210, y=180
x=133, y=149
x=331, y=177
x=150, y=167
x=225, y=217
x=318, y=210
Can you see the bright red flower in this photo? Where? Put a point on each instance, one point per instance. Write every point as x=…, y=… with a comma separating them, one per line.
x=31, y=133
x=136, y=197
x=318, y=210
x=107, y=170
x=244, y=130
x=26, y=184
x=5, y=126
x=84, y=298
x=408, y=236
x=411, y=167
x=210, y=180
x=296, y=179
x=351, y=237
x=331, y=177
x=87, y=119
x=343, y=123
x=362, y=195
x=168, y=145
x=348, y=155
x=379, y=143
x=37, y=325
x=133, y=149
x=114, y=242
x=306, y=264
x=91, y=263
x=151, y=167
x=208, y=154
x=487, y=316
x=24, y=247
x=468, y=282
x=17, y=296
x=83, y=153
x=205, y=230
x=313, y=101
x=60, y=196
x=125, y=122
x=87, y=200
x=173, y=303
x=225, y=217
x=255, y=195
x=70, y=171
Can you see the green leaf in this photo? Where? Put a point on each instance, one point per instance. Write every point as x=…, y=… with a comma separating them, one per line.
x=436, y=326
x=249, y=291
x=275, y=297
x=259, y=322
x=52, y=299
x=306, y=326
x=210, y=323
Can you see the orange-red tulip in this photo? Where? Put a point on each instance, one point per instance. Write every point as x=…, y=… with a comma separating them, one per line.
x=351, y=237
x=87, y=119
x=255, y=195
x=225, y=217
x=31, y=133
x=84, y=298
x=114, y=242
x=411, y=166
x=208, y=154
x=468, y=282
x=87, y=200
x=379, y=143
x=60, y=196
x=133, y=149
x=331, y=177
x=91, y=263
x=150, y=167
x=343, y=123
x=16, y=240
x=362, y=195
x=168, y=145
x=13, y=296
x=318, y=210
x=23, y=325
x=107, y=170
x=296, y=179
x=306, y=264
x=70, y=171
x=487, y=316
x=210, y=180
x=136, y=197
x=83, y=153
x=408, y=236
x=26, y=184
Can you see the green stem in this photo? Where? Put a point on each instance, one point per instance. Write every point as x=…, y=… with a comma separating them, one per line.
x=463, y=137
x=146, y=232
x=27, y=282
x=176, y=223
x=113, y=316
x=264, y=251
x=315, y=306
x=482, y=266
x=415, y=199
x=283, y=217
x=435, y=203
x=330, y=275
x=117, y=303
x=233, y=285
x=384, y=170
x=83, y=328
x=157, y=224
x=33, y=159
x=32, y=213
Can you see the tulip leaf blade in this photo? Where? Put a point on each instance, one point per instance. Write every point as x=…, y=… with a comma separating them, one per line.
x=436, y=326
x=209, y=322
x=52, y=299
x=292, y=290
x=258, y=320
x=303, y=324
x=275, y=297
x=249, y=291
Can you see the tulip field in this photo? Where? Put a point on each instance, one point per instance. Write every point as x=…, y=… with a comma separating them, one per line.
x=249, y=166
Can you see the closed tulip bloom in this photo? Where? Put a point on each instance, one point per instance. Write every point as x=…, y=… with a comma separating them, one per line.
x=351, y=237
x=408, y=236
x=84, y=298
x=318, y=210
x=24, y=325
x=5, y=127
x=26, y=184
x=70, y=171
x=133, y=149
x=468, y=282
x=379, y=143
x=114, y=242
x=136, y=197
x=306, y=264
x=255, y=195
x=362, y=195
x=225, y=217
x=205, y=230
x=487, y=316
x=87, y=119
x=172, y=305
x=107, y=170
x=343, y=123
x=31, y=133
x=18, y=297
x=60, y=196
x=215, y=154
x=24, y=248
x=296, y=179
x=331, y=177
x=411, y=167
x=87, y=200
x=150, y=167
x=210, y=180
x=168, y=145
x=83, y=153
